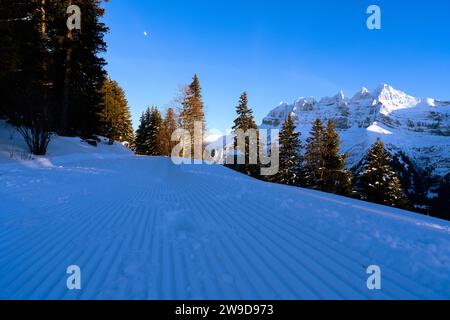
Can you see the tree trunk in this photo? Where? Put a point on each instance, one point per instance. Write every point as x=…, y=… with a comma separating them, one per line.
x=64, y=127
x=43, y=118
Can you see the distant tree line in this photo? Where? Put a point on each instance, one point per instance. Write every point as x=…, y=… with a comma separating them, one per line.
x=154, y=135
x=319, y=165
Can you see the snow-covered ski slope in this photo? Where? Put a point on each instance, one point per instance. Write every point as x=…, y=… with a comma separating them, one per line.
x=143, y=228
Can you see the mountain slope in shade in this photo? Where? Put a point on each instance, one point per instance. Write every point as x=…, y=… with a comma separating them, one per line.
x=417, y=128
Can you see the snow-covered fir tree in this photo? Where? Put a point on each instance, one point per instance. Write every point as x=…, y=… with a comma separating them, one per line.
x=245, y=122
x=335, y=178
x=153, y=144
x=147, y=136
x=141, y=134
x=290, y=164
x=324, y=165
x=378, y=182
x=314, y=160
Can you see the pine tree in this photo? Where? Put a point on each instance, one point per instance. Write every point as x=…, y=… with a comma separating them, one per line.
x=378, y=182
x=23, y=70
x=192, y=113
x=168, y=127
x=335, y=178
x=77, y=69
x=115, y=118
x=147, y=136
x=154, y=127
x=141, y=134
x=314, y=157
x=245, y=122
x=290, y=165
x=52, y=76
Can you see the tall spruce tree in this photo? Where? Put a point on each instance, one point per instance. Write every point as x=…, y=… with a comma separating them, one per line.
x=245, y=122
x=314, y=157
x=23, y=40
x=52, y=76
x=378, y=182
x=148, y=134
x=335, y=179
x=141, y=135
x=24, y=65
x=77, y=69
x=290, y=165
x=115, y=117
x=153, y=143
x=193, y=113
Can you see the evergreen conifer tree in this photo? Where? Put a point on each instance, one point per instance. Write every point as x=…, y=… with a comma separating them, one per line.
x=290, y=165
x=141, y=135
x=24, y=77
x=192, y=113
x=115, y=118
x=314, y=159
x=335, y=178
x=77, y=69
x=52, y=76
x=147, y=139
x=378, y=182
x=153, y=144
x=245, y=122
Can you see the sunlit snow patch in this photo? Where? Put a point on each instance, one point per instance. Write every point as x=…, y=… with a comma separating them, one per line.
x=377, y=129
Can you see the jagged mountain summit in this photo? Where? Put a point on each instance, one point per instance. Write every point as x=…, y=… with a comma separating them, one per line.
x=414, y=127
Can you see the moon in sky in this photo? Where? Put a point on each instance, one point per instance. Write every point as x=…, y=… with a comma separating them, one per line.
x=145, y=33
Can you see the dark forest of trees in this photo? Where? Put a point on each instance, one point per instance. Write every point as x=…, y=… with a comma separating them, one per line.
x=52, y=78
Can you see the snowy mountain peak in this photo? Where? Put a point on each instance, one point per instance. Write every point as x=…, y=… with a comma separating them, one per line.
x=362, y=94
x=384, y=87
x=391, y=97
x=418, y=127
x=364, y=90
x=339, y=98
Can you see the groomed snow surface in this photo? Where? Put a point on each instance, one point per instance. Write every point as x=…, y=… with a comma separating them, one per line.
x=143, y=228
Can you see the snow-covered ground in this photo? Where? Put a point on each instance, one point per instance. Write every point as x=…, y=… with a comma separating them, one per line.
x=143, y=228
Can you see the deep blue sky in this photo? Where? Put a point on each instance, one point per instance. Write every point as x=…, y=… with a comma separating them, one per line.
x=275, y=50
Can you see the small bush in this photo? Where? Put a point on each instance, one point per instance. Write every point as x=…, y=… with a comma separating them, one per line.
x=36, y=137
